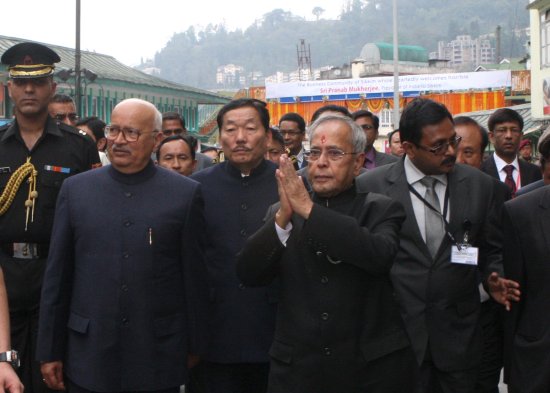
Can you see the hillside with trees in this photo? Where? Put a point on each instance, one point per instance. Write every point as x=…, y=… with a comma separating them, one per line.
x=269, y=45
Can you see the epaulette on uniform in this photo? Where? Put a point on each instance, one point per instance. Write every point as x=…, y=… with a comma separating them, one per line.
x=72, y=130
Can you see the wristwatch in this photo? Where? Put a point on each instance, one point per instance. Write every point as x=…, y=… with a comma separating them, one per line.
x=12, y=357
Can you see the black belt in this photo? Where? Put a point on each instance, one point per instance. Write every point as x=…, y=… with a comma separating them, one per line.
x=26, y=250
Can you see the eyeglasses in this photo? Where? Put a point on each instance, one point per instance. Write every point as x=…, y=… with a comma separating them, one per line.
x=366, y=127
x=63, y=116
x=442, y=148
x=333, y=154
x=130, y=134
x=174, y=131
x=504, y=130
x=290, y=133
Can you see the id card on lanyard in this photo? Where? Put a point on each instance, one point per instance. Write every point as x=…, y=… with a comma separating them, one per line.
x=461, y=253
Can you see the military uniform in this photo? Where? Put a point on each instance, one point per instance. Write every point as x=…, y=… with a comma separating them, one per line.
x=26, y=222
x=60, y=152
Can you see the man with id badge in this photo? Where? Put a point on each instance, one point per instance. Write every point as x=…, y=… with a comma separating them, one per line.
x=450, y=237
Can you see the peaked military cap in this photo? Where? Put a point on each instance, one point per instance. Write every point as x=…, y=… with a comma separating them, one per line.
x=30, y=60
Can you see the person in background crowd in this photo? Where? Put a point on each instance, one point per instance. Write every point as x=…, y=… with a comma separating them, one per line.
x=332, y=251
x=369, y=122
x=37, y=154
x=62, y=109
x=526, y=150
x=174, y=124
x=237, y=193
x=470, y=152
x=394, y=139
x=505, y=132
x=212, y=152
x=544, y=161
x=176, y=153
x=448, y=207
x=128, y=281
x=276, y=146
x=95, y=129
x=292, y=127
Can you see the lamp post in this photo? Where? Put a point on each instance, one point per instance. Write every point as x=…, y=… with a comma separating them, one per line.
x=395, y=69
x=77, y=72
x=89, y=76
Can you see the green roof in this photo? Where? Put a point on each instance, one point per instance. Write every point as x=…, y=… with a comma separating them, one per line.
x=411, y=53
x=107, y=67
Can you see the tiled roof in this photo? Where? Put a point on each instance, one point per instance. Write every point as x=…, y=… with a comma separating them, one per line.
x=107, y=67
x=529, y=124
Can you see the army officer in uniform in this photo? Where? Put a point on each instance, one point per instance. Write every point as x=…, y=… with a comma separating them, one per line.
x=36, y=155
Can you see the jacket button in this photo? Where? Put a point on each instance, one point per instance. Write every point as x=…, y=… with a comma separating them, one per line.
x=125, y=321
x=125, y=255
x=128, y=194
x=327, y=351
x=127, y=223
x=244, y=206
x=243, y=232
x=324, y=280
x=241, y=286
x=124, y=288
x=319, y=253
x=324, y=316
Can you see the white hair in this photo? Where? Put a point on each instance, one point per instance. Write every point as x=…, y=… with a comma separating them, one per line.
x=358, y=137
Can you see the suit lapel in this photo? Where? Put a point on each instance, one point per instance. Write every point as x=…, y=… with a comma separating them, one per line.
x=459, y=197
x=398, y=189
x=544, y=217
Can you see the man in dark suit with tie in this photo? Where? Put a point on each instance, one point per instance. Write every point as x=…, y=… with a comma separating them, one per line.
x=449, y=238
x=505, y=132
x=125, y=291
x=292, y=127
x=369, y=122
x=526, y=226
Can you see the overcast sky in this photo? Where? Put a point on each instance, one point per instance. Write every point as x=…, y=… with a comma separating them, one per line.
x=129, y=30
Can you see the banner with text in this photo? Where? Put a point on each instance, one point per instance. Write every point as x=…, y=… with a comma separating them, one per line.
x=379, y=85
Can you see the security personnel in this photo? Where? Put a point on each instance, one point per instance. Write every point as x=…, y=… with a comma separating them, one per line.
x=36, y=155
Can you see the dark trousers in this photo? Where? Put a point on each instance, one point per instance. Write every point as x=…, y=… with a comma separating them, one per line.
x=434, y=380
x=488, y=375
x=393, y=373
x=23, y=278
x=74, y=388
x=208, y=377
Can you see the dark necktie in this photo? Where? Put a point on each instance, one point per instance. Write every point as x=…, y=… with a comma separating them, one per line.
x=509, y=180
x=433, y=221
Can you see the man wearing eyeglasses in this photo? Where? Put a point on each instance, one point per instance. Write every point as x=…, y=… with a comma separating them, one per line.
x=338, y=325
x=505, y=132
x=174, y=124
x=36, y=156
x=450, y=238
x=63, y=110
x=125, y=290
x=292, y=127
x=369, y=122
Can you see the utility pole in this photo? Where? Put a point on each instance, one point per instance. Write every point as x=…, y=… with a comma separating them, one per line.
x=395, y=69
x=77, y=89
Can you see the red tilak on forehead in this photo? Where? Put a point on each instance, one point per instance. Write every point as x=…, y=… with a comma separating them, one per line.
x=323, y=139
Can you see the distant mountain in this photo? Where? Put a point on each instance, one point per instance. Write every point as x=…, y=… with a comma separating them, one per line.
x=270, y=44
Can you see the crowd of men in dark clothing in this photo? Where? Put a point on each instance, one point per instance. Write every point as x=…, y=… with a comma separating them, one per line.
x=272, y=267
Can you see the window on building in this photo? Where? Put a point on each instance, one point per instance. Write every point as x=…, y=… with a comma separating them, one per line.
x=545, y=39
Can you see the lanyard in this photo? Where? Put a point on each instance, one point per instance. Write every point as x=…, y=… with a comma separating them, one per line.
x=442, y=215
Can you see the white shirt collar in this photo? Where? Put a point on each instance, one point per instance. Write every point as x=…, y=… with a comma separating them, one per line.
x=415, y=175
x=500, y=163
